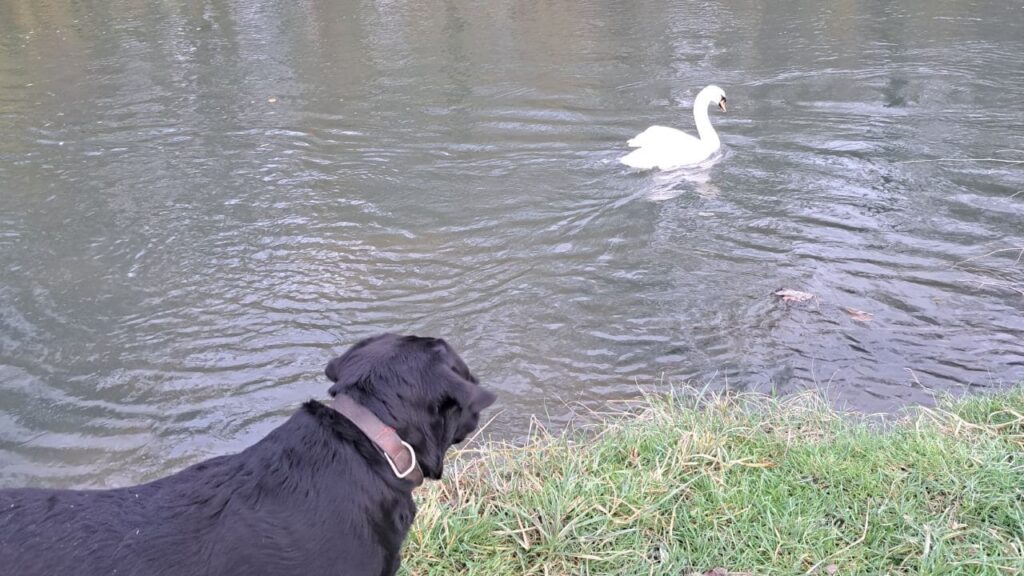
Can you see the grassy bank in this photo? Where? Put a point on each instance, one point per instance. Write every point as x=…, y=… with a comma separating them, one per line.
x=745, y=484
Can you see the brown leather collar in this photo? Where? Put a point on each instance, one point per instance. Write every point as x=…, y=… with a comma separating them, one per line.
x=396, y=451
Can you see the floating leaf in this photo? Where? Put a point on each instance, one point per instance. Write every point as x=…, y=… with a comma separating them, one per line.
x=859, y=315
x=793, y=295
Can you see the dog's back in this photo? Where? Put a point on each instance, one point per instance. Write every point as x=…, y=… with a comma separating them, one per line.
x=297, y=502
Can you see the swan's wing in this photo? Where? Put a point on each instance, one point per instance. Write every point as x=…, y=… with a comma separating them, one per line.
x=663, y=136
x=649, y=157
x=641, y=158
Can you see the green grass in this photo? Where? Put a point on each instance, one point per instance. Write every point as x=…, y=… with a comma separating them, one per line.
x=746, y=484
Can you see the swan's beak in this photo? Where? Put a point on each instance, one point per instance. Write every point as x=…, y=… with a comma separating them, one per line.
x=721, y=104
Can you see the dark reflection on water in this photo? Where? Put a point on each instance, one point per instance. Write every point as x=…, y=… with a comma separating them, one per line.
x=200, y=204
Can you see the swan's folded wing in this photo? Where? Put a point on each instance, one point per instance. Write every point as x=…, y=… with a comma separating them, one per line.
x=662, y=136
x=641, y=158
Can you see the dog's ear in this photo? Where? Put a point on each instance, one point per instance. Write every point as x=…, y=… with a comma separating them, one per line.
x=332, y=369
x=474, y=397
x=480, y=398
x=457, y=416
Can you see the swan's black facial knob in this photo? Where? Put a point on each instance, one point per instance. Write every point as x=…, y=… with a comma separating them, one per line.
x=721, y=104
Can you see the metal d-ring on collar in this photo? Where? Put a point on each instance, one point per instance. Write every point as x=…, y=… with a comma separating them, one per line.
x=412, y=460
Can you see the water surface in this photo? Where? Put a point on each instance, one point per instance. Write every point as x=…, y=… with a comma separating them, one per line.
x=202, y=202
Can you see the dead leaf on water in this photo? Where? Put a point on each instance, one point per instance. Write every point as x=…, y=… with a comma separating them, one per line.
x=272, y=99
x=859, y=315
x=793, y=295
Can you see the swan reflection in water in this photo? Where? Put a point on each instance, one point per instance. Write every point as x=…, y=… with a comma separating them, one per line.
x=667, y=185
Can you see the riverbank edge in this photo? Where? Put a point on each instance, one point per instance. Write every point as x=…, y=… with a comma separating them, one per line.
x=686, y=483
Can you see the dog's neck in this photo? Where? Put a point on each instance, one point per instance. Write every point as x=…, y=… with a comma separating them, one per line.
x=399, y=454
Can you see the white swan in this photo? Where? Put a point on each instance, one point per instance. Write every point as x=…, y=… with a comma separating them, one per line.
x=668, y=148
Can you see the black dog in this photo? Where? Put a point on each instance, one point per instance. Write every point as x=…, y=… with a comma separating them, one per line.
x=315, y=496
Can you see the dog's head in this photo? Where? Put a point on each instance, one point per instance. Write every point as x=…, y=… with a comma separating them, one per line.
x=418, y=386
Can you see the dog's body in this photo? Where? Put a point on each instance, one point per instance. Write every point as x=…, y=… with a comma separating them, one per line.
x=315, y=496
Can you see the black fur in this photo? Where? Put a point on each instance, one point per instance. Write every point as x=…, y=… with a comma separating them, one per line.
x=312, y=497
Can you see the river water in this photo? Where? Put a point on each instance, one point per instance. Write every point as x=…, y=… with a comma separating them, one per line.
x=202, y=202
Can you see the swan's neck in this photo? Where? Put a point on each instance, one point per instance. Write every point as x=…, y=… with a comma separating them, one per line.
x=705, y=130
